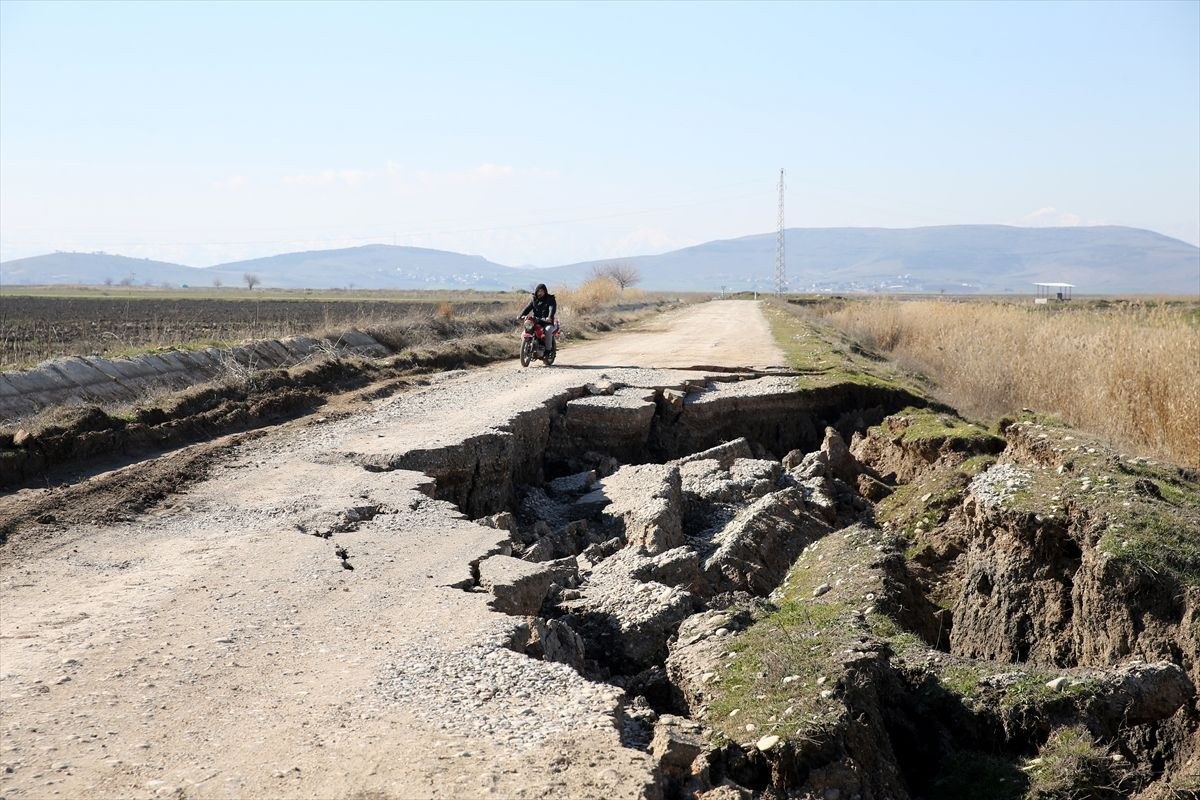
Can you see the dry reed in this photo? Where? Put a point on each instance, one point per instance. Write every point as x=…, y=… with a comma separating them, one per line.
x=1130, y=373
x=592, y=295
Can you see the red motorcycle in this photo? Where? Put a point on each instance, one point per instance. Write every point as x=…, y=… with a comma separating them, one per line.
x=538, y=340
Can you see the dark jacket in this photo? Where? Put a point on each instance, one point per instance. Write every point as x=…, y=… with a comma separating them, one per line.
x=542, y=307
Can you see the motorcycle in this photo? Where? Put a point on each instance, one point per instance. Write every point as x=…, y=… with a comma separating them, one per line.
x=539, y=340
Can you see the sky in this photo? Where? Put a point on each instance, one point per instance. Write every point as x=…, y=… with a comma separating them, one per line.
x=549, y=133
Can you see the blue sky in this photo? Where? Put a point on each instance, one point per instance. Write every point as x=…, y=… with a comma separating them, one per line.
x=548, y=133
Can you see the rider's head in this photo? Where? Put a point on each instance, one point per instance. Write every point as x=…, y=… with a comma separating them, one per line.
x=540, y=291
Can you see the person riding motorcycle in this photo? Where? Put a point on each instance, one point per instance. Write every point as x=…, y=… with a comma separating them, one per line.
x=544, y=307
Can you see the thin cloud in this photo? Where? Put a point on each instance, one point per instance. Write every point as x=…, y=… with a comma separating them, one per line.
x=329, y=177
x=231, y=184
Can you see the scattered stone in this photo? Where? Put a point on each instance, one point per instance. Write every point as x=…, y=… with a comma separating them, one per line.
x=822, y=589
x=767, y=742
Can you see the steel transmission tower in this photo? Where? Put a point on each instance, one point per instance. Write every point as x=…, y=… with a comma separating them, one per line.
x=780, y=261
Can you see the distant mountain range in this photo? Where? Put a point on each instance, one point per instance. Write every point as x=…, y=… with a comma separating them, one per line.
x=951, y=258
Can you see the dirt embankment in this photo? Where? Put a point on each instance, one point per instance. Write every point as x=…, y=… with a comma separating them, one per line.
x=101, y=408
x=1007, y=618
x=766, y=585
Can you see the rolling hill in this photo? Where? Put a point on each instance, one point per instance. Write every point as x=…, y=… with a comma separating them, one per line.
x=951, y=258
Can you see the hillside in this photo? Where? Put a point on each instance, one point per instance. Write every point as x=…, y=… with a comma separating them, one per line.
x=96, y=268
x=952, y=258
x=379, y=266
x=374, y=266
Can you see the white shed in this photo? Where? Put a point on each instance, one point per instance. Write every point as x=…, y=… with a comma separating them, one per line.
x=1053, y=292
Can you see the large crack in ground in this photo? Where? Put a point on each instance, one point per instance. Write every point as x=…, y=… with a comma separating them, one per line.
x=648, y=528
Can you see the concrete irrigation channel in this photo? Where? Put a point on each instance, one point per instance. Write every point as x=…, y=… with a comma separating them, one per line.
x=506, y=583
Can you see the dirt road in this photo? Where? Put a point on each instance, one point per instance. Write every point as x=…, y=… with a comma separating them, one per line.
x=214, y=648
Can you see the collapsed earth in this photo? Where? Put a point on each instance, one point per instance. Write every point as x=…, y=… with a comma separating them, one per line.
x=717, y=554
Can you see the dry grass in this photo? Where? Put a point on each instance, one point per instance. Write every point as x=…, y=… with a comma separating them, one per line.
x=1130, y=372
x=593, y=294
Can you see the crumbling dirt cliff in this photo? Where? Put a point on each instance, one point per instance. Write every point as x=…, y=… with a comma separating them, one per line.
x=1013, y=598
x=622, y=582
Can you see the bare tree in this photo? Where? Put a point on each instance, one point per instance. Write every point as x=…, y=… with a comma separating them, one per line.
x=622, y=273
x=108, y=281
x=127, y=280
x=216, y=283
x=251, y=280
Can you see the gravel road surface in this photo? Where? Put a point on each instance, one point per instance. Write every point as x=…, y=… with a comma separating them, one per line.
x=213, y=648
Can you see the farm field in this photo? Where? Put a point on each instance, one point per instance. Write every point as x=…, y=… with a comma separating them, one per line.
x=1125, y=368
x=37, y=324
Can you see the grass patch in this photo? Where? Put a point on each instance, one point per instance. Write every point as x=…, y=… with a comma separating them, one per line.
x=1071, y=765
x=961, y=680
x=782, y=665
x=1031, y=690
x=922, y=505
x=793, y=642
x=827, y=357
x=1157, y=540
x=928, y=427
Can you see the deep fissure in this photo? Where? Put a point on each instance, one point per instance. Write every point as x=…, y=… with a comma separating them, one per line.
x=549, y=481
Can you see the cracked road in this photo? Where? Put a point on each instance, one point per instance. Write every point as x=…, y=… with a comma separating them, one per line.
x=214, y=647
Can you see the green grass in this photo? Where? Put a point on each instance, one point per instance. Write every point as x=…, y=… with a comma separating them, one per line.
x=927, y=502
x=1158, y=540
x=1070, y=766
x=962, y=680
x=1031, y=691
x=928, y=426
x=796, y=640
x=802, y=639
x=825, y=356
x=1149, y=534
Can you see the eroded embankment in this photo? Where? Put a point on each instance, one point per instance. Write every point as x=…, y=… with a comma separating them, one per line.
x=96, y=409
x=788, y=615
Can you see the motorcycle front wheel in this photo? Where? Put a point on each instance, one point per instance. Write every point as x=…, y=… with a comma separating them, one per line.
x=526, y=352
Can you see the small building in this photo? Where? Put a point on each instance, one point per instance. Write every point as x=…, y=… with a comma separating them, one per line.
x=1053, y=292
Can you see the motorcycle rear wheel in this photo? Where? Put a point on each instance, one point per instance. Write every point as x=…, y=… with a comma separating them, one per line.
x=549, y=357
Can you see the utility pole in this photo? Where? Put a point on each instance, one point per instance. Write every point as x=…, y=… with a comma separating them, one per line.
x=780, y=263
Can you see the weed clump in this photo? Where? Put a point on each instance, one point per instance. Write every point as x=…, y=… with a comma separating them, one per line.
x=1071, y=765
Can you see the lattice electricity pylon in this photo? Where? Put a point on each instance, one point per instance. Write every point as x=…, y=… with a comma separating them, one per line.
x=780, y=261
